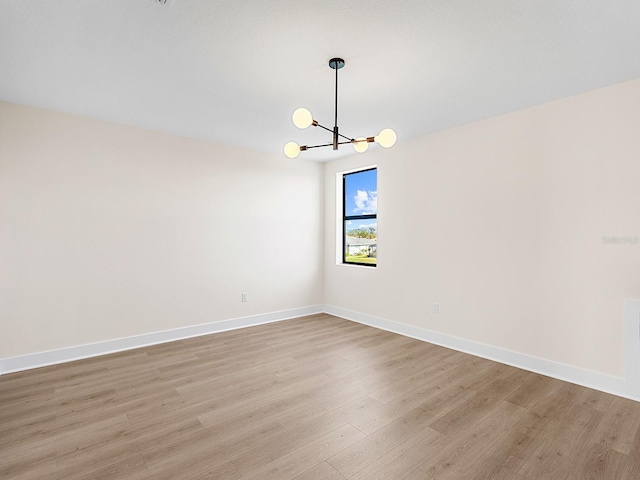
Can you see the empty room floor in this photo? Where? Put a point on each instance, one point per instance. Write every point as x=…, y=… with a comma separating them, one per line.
x=316, y=397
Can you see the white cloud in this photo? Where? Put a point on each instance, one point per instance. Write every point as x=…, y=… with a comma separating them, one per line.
x=366, y=202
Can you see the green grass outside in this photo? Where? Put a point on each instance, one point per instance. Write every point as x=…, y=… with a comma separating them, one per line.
x=356, y=259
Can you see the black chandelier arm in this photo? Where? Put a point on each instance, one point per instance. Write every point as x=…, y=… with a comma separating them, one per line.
x=316, y=124
x=326, y=128
x=307, y=147
x=351, y=140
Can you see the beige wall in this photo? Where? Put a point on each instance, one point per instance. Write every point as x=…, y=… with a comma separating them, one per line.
x=108, y=231
x=509, y=213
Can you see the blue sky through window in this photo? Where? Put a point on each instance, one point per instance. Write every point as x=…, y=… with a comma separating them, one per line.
x=361, y=198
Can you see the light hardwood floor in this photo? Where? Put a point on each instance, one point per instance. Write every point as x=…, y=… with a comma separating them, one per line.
x=314, y=398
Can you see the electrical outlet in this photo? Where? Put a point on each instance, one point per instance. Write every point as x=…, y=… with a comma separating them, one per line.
x=245, y=297
x=435, y=308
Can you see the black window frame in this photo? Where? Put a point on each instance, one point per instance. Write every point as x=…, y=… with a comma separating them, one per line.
x=346, y=217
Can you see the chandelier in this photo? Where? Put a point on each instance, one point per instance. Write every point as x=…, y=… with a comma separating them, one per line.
x=302, y=118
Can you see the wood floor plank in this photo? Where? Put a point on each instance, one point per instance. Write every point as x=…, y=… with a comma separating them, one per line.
x=467, y=413
x=261, y=413
x=277, y=398
x=467, y=447
x=619, y=426
x=282, y=444
x=356, y=457
x=595, y=399
x=197, y=468
x=421, y=397
x=532, y=389
x=322, y=471
x=401, y=460
x=631, y=472
x=400, y=387
x=297, y=416
x=561, y=447
x=27, y=466
x=548, y=409
x=310, y=398
x=634, y=454
x=504, y=459
x=600, y=463
x=125, y=467
x=416, y=474
x=217, y=447
x=308, y=456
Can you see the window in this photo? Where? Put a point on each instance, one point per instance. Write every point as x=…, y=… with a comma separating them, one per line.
x=359, y=217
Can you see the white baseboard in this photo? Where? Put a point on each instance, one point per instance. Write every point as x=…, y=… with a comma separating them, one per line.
x=598, y=381
x=628, y=387
x=632, y=346
x=42, y=359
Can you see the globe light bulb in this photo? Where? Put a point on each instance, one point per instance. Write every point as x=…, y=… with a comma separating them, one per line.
x=302, y=118
x=360, y=145
x=387, y=138
x=292, y=149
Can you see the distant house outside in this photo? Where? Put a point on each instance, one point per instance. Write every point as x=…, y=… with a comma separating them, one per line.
x=357, y=245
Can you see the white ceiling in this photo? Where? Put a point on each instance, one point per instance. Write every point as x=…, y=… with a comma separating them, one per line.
x=233, y=71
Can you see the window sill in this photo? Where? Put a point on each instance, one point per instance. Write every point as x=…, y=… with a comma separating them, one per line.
x=368, y=267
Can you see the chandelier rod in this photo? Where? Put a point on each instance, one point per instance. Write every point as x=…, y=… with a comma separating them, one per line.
x=335, y=116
